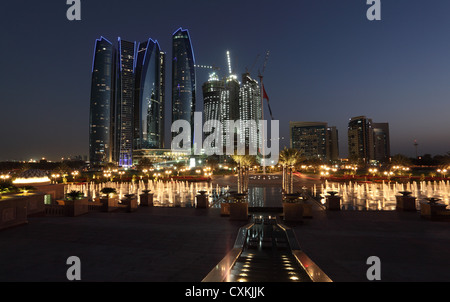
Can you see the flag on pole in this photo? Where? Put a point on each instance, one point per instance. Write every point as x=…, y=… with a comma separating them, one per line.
x=265, y=96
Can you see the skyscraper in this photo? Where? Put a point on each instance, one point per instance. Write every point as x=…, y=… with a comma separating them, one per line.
x=332, y=144
x=212, y=91
x=360, y=139
x=229, y=107
x=310, y=138
x=101, y=103
x=249, y=109
x=183, y=79
x=149, y=97
x=368, y=141
x=382, y=148
x=125, y=103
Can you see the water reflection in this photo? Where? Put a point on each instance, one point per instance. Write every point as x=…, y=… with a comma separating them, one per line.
x=381, y=196
x=264, y=197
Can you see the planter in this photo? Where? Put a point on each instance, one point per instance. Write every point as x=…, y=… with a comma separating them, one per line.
x=76, y=207
x=292, y=197
x=108, y=204
x=293, y=212
x=146, y=200
x=131, y=203
x=202, y=201
x=406, y=203
x=429, y=210
x=334, y=203
x=225, y=209
x=239, y=211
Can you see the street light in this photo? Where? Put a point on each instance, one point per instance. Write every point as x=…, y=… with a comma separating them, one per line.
x=443, y=172
x=4, y=177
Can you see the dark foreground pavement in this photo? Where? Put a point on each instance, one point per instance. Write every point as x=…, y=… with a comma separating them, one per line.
x=184, y=244
x=150, y=245
x=411, y=249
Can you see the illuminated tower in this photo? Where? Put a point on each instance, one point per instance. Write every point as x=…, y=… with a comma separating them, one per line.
x=124, y=103
x=101, y=109
x=360, y=139
x=212, y=91
x=229, y=105
x=149, y=97
x=183, y=79
x=249, y=109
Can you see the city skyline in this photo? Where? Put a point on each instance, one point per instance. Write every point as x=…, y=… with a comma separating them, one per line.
x=328, y=63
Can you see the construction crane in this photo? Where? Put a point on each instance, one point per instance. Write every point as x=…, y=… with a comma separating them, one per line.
x=261, y=76
x=207, y=67
x=253, y=65
x=265, y=64
x=230, y=70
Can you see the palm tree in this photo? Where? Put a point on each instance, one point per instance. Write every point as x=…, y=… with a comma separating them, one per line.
x=3, y=189
x=144, y=164
x=288, y=159
x=74, y=195
x=243, y=163
x=400, y=160
x=108, y=191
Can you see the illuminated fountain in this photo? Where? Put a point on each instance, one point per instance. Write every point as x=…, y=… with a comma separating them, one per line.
x=166, y=194
x=382, y=196
x=32, y=177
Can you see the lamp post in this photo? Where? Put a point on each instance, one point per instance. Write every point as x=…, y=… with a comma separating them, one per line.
x=443, y=172
x=120, y=174
x=74, y=175
x=4, y=177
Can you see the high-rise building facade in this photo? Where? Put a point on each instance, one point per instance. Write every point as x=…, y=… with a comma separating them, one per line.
x=229, y=108
x=149, y=97
x=101, y=103
x=368, y=141
x=212, y=92
x=382, y=147
x=127, y=101
x=250, y=109
x=360, y=138
x=183, y=79
x=311, y=139
x=332, y=144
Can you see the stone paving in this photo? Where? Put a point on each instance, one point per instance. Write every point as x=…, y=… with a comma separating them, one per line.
x=150, y=245
x=410, y=248
x=184, y=244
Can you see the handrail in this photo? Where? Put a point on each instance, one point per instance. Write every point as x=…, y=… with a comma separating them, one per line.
x=221, y=271
x=314, y=272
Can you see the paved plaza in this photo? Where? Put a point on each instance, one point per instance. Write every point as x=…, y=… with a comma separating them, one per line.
x=184, y=244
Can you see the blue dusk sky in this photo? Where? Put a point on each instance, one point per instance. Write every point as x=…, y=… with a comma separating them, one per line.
x=327, y=63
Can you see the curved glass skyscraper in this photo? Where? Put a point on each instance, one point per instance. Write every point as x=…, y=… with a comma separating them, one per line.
x=124, y=103
x=183, y=79
x=101, y=109
x=149, y=97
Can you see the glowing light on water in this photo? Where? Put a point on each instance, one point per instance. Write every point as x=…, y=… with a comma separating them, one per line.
x=166, y=194
x=32, y=180
x=382, y=196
